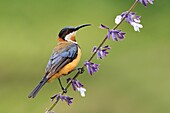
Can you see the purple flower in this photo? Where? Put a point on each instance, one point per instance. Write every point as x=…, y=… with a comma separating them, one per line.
x=116, y=34
x=91, y=67
x=103, y=27
x=77, y=86
x=101, y=52
x=63, y=98
x=131, y=18
x=145, y=2
x=67, y=99
x=75, y=83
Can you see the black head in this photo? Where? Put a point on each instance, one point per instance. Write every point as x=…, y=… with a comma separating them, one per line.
x=67, y=30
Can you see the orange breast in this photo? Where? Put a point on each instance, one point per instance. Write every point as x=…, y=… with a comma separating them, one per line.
x=67, y=68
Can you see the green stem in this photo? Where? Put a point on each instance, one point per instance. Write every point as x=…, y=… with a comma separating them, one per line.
x=104, y=40
x=67, y=86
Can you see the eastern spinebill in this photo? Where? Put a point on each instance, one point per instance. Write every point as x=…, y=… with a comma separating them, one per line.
x=64, y=59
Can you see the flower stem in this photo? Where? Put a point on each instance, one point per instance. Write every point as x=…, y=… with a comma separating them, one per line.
x=104, y=40
x=92, y=56
x=53, y=104
x=67, y=86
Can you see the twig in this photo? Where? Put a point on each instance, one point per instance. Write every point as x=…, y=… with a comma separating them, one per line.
x=94, y=53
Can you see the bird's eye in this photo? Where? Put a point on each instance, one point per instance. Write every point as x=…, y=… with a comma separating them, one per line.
x=67, y=32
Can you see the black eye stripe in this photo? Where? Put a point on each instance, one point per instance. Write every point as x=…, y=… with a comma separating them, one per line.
x=65, y=31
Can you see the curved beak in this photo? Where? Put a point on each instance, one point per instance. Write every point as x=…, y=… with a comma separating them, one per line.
x=81, y=26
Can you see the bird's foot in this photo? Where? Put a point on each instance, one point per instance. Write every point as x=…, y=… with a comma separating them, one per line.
x=64, y=90
x=80, y=70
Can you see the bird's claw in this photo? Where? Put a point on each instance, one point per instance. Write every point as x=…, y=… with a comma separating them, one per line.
x=64, y=90
x=80, y=70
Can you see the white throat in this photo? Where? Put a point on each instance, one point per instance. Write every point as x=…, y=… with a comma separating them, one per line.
x=68, y=37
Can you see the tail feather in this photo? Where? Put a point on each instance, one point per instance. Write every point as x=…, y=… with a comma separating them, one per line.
x=37, y=88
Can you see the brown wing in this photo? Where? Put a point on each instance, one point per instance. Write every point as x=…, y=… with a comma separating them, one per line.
x=60, y=57
x=63, y=54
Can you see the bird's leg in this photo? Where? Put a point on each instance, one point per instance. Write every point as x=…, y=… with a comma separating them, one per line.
x=80, y=70
x=64, y=90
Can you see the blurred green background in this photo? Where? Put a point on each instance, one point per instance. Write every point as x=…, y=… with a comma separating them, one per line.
x=133, y=78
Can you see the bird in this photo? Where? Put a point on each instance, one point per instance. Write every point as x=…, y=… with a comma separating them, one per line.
x=64, y=59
